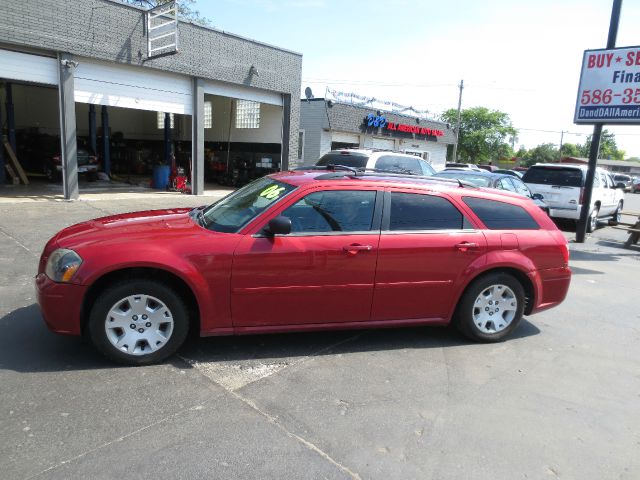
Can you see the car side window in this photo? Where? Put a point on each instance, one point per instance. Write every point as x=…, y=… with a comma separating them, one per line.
x=597, y=181
x=333, y=211
x=521, y=188
x=505, y=184
x=400, y=164
x=498, y=215
x=427, y=169
x=414, y=211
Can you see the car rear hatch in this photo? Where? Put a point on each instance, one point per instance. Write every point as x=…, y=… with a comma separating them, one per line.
x=561, y=186
x=344, y=157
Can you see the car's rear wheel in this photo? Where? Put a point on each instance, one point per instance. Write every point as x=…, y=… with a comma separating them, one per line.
x=490, y=308
x=138, y=322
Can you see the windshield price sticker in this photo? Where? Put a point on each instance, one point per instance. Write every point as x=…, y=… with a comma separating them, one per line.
x=272, y=192
x=609, y=90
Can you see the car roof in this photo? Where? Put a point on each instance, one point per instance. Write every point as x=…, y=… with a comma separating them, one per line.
x=367, y=151
x=300, y=178
x=576, y=166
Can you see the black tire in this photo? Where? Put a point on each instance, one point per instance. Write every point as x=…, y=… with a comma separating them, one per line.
x=592, y=221
x=109, y=297
x=463, y=318
x=616, y=215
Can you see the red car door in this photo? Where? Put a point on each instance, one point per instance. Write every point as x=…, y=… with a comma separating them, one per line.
x=425, y=247
x=322, y=272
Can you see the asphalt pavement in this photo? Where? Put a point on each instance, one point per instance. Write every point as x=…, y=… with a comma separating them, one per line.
x=561, y=399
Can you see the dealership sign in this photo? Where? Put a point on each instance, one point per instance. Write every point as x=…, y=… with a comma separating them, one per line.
x=380, y=121
x=609, y=90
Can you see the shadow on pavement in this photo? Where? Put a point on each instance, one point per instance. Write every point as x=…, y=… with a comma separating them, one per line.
x=27, y=346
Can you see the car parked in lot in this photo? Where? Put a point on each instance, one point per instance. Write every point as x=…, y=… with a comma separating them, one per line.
x=623, y=181
x=377, y=160
x=87, y=163
x=562, y=186
x=304, y=251
x=464, y=166
x=514, y=173
x=499, y=181
x=635, y=185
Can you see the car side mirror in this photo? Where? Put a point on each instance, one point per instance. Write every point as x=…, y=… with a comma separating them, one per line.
x=278, y=226
x=537, y=196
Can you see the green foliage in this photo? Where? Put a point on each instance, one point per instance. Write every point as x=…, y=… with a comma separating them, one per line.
x=544, y=153
x=484, y=134
x=186, y=9
x=571, y=150
x=608, y=147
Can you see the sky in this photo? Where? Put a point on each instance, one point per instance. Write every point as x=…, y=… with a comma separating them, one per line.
x=519, y=57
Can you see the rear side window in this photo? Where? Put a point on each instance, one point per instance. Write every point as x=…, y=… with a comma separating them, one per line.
x=348, y=160
x=568, y=177
x=399, y=164
x=414, y=211
x=500, y=215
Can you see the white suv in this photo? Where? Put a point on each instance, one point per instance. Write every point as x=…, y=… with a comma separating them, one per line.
x=380, y=160
x=562, y=186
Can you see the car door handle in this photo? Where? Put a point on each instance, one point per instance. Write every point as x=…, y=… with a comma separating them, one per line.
x=356, y=247
x=466, y=246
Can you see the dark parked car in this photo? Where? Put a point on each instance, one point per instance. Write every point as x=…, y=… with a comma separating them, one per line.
x=87, y=163
x=507, y=182
x=305, y=251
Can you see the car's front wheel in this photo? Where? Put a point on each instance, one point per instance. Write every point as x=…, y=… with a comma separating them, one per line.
x=138, y=322
x=490, y=308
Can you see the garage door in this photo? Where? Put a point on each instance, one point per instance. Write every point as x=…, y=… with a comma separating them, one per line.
x=124, y=86
x=222, y=89
x=28, y=68
x=382, y=143
x=339, y=137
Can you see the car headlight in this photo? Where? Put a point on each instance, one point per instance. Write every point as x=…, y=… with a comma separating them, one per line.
x=62, y=265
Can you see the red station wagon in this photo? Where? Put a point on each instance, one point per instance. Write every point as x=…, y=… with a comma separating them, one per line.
x=302, y=251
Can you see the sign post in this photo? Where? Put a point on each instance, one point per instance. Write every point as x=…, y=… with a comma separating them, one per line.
x=601, y=99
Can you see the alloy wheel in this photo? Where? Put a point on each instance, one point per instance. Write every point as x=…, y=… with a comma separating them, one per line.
x=139, y=324
x=494, y=309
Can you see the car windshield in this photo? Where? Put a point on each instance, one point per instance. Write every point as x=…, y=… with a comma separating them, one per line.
x=568, y=177
x=355, y=160
x=478, y=180
x=235, y=211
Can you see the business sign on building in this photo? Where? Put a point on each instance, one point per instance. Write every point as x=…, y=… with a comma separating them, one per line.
x=379, y=121
x=609, y=89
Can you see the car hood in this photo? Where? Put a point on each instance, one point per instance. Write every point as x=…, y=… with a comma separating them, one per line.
x=147, y=225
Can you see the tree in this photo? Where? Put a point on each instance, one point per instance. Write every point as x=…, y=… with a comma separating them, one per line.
x=571, y=150
x=484, y=134
x=608, y=147
x=186, y=9
x=544, y=153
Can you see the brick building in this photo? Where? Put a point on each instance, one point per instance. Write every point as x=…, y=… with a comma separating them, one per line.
x=327, y=125
x=225, y=100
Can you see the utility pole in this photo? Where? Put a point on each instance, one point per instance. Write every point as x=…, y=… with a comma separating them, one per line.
x=561, y=139
x=581, y=228
x=455, y=145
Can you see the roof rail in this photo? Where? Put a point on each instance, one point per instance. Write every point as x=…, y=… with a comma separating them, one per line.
x=346, y=171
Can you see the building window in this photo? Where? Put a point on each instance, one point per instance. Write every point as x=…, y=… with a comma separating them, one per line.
x=161, y=120
x=247, y=114
x=301, y=145
x=208, y=115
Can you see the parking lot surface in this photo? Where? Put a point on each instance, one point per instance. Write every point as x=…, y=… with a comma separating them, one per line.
x=561, y=399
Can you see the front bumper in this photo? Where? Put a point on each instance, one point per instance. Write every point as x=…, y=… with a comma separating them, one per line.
x=61, y=304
